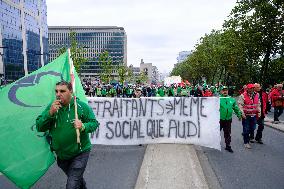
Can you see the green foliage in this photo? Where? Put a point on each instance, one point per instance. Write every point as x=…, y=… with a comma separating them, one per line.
x=216, y=57
x=276, y=73
x=142, y=78
x=260, y=26
x=244, y=50
x=77, y=52
x=106, y=65
x=123, y=73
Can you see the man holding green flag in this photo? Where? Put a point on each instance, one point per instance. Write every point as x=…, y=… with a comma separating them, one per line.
x=59, y=118
x=25, y=154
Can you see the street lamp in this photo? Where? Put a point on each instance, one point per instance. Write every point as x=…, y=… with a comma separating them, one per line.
x=2, y=77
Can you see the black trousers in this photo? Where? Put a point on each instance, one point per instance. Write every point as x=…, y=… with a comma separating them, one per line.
x=226, y=126
x=260, y=123
x=74, y=169
x=277, y=112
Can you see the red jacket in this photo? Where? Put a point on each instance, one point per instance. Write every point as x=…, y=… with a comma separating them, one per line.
x=276, y=95
x=250, y=105
x=264, y=102
x=207, y=93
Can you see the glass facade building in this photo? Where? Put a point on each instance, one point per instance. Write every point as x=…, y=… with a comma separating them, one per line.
x=182, y=56
x=23, y=37
x=94, y=40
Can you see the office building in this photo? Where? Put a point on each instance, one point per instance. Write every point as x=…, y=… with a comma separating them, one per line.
x=94, y=40
x=135, y=70
x=182, y=56
x=23, y=37
x=150, y=71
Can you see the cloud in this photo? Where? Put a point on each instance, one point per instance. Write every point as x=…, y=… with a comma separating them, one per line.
x=157, y=30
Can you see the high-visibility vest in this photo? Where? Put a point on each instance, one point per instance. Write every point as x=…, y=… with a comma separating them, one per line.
x=99, y=92
x=250, y=105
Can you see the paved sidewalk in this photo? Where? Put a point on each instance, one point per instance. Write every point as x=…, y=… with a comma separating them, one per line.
x=269, y=122
x=167, y=166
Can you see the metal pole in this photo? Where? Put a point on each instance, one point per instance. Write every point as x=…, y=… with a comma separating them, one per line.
x=4, y=71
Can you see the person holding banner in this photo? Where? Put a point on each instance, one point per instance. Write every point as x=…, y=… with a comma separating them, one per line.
x=228, y=105
x=59, y=120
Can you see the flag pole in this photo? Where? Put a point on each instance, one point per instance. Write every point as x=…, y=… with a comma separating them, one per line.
x=74, y=94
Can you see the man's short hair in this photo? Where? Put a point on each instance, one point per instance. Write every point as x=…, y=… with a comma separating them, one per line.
x=68, y=84
x=257, y=84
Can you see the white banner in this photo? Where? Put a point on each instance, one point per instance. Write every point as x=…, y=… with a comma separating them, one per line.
x=172, y=80
x=133, y=121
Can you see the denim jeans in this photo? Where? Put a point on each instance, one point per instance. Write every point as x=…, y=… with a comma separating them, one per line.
x=277, y=112
x=74, y=169
x=249, y=124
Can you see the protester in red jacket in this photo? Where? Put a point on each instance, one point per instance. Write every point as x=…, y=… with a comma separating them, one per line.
x=249, y=105
x=207, y=93
x=277, y=97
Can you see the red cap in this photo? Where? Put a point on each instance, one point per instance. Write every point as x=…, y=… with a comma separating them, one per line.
x=250, y=85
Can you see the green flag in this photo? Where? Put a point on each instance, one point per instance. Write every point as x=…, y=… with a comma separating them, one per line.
x=25, y=154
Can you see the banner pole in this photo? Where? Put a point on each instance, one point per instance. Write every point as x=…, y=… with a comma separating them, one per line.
x=74, y=94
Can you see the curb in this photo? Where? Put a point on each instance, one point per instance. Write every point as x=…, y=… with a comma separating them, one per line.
x=269, y=123
x=209, y=173
x=279, y=127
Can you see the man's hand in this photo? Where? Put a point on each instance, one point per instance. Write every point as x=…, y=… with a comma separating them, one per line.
x=78, y=124
x=55, y=106
x=244, y=116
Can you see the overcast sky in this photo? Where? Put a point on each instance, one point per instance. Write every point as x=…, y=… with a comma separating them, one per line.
x=157, y=30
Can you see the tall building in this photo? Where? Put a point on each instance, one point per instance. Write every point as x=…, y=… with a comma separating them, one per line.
x=182, y=56
x=23, y=37
x=150, y=71
x=95, y=40
x=135, y=70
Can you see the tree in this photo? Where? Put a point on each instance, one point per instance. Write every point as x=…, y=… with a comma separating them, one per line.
x=107, y=68
x=77, y=52
x=130, y=76
x=249, y=45
x=218, y=57
x=122, y=73
x=142, y=78
x=276, y=73
x=260, y=26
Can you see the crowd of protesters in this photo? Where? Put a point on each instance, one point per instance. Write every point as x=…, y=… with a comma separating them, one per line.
x=251, y=107
x=128, y=91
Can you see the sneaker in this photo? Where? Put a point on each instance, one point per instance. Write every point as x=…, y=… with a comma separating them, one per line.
x=229, y=149
x=252, y=140
x=248, y=146
x=259, y=141
x=276, y=122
